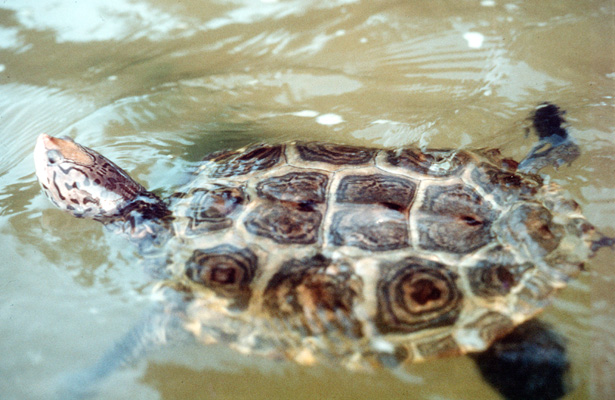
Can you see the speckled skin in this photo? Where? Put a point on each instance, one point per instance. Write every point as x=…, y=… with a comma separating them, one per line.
x=315, y=251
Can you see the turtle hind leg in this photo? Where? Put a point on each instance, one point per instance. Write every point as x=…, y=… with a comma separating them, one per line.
x=150, y=332
x=528, y=363
x=547, y=119
x=554, y=147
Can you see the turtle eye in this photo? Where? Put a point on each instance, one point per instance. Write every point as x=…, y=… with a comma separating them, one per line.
x=54, y=156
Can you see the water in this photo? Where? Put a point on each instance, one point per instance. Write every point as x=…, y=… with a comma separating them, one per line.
x=156, y=84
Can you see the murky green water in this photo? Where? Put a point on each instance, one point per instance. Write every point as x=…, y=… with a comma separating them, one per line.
x=156, y=84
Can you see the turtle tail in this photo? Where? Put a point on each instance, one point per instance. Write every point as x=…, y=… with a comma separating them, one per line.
x=602, y=241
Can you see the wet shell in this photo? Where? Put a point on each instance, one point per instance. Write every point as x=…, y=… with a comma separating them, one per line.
x=361, y=253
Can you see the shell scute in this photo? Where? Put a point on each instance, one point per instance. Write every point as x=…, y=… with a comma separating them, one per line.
x=531, y=226
x=369, y=227
x=490, y=326
x=285, y=223
x=389, y=190
x=416, y=294
x=315, y=294
x=504, y=184
x=211, y=209
x=436, y=163
x=335, y=154
x=536, y=291
x=438, y=347
x=488, y=279
x=295, y=187
x=454, y=218
x=227, y=270
x=235, y=163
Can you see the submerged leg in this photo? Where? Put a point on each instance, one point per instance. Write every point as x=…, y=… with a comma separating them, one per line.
x=529, y=363
x=152, y=331
x=555, y=147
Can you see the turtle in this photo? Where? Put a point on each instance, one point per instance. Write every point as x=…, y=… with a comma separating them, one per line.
x=330, y=253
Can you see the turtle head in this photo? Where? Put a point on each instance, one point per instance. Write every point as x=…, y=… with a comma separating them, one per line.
x=82, y=182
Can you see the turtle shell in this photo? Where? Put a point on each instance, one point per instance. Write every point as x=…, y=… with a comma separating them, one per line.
x=363, y=254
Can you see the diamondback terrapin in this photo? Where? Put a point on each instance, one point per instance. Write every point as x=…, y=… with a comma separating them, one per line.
x=325, y=252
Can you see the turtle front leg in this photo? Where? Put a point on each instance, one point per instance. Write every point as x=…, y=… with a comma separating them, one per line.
x=555, y=147
x=157, y=328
